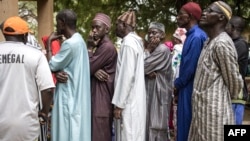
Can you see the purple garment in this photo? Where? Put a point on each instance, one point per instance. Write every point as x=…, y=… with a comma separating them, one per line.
x=104, y=57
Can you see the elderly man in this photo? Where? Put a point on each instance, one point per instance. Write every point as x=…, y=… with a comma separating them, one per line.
x=188, y=18
x=130, y=96
x=24, y=75
x=217, y=78
x=158, y=80
x=102, y=58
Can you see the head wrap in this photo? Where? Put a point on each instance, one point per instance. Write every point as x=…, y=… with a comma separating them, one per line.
x=103, y=18
x=225, y=8
x=193, y=8
x=157, y=25
x=180, y=33
x=17, y=24
x=128, y=17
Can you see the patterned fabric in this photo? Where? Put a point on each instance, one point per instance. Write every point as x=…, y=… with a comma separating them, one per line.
x=176, y=59
x=128, y=17
x=217, y=80
x=103, y=18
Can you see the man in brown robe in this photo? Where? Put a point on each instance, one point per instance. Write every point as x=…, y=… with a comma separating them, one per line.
x=102, y=57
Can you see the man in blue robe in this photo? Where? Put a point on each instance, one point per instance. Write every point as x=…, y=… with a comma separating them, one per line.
x=71, y=113
x=188, y=18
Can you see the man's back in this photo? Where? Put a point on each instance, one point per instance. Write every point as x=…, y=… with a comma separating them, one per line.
x=23, y=73
x=72, y=99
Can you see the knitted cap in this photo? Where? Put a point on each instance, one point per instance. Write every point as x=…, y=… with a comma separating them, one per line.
x=157, y=25
x=17, y=24
x=225, y=8
x=128, y=17
x=193, y=8
x=103, y=18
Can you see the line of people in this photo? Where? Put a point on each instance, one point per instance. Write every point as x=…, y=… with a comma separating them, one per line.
x=133, y=90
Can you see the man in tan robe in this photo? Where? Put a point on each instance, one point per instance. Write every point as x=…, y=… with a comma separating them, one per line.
x=217, y=78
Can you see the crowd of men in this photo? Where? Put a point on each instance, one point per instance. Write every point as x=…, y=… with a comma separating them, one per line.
x=97, y=88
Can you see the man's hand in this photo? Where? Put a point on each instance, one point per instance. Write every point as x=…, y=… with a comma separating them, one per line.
x=175, y=100
x=92, y=41
x=54, y=36
x=152, y=75
x=61, y=76
x=43, y=118
x=101, y=75
x=118, y=112
x=176, y=91
x=152, y=44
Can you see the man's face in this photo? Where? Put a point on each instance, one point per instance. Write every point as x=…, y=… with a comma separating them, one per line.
x=99, y=30
x=229, y=28
x=153, y=34
x=210, y=16
x=183, y=18
x=60, y=27
x=120, y=28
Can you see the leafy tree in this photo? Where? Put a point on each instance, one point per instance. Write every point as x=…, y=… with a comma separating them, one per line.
x=28, y=11
x=164, y=11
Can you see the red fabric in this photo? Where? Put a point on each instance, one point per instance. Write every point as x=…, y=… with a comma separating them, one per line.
x=55, y=47
x=170, y=122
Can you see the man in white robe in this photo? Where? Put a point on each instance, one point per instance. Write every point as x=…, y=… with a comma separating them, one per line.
x=129, y=96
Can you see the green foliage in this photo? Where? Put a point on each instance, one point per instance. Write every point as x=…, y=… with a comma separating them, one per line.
x=28, y=11
x=164, y=11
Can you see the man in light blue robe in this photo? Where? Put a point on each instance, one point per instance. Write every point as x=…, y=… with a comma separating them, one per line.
x=71, y=113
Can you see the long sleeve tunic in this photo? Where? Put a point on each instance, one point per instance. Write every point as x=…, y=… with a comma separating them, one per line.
x=71, y=113
x=217, y=81
x=130, y=92
x=159, y=92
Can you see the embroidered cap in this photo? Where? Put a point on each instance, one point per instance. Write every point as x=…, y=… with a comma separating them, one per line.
x=103, y=18
x=157, y=25
x=225, y=8
x=128, y=17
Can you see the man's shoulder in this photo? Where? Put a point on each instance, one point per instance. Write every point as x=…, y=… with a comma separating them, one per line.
x=132, y=36
x=76, y=37
x=199, y=32
x=241, y=42
x=107, y=43
x=19, y=47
